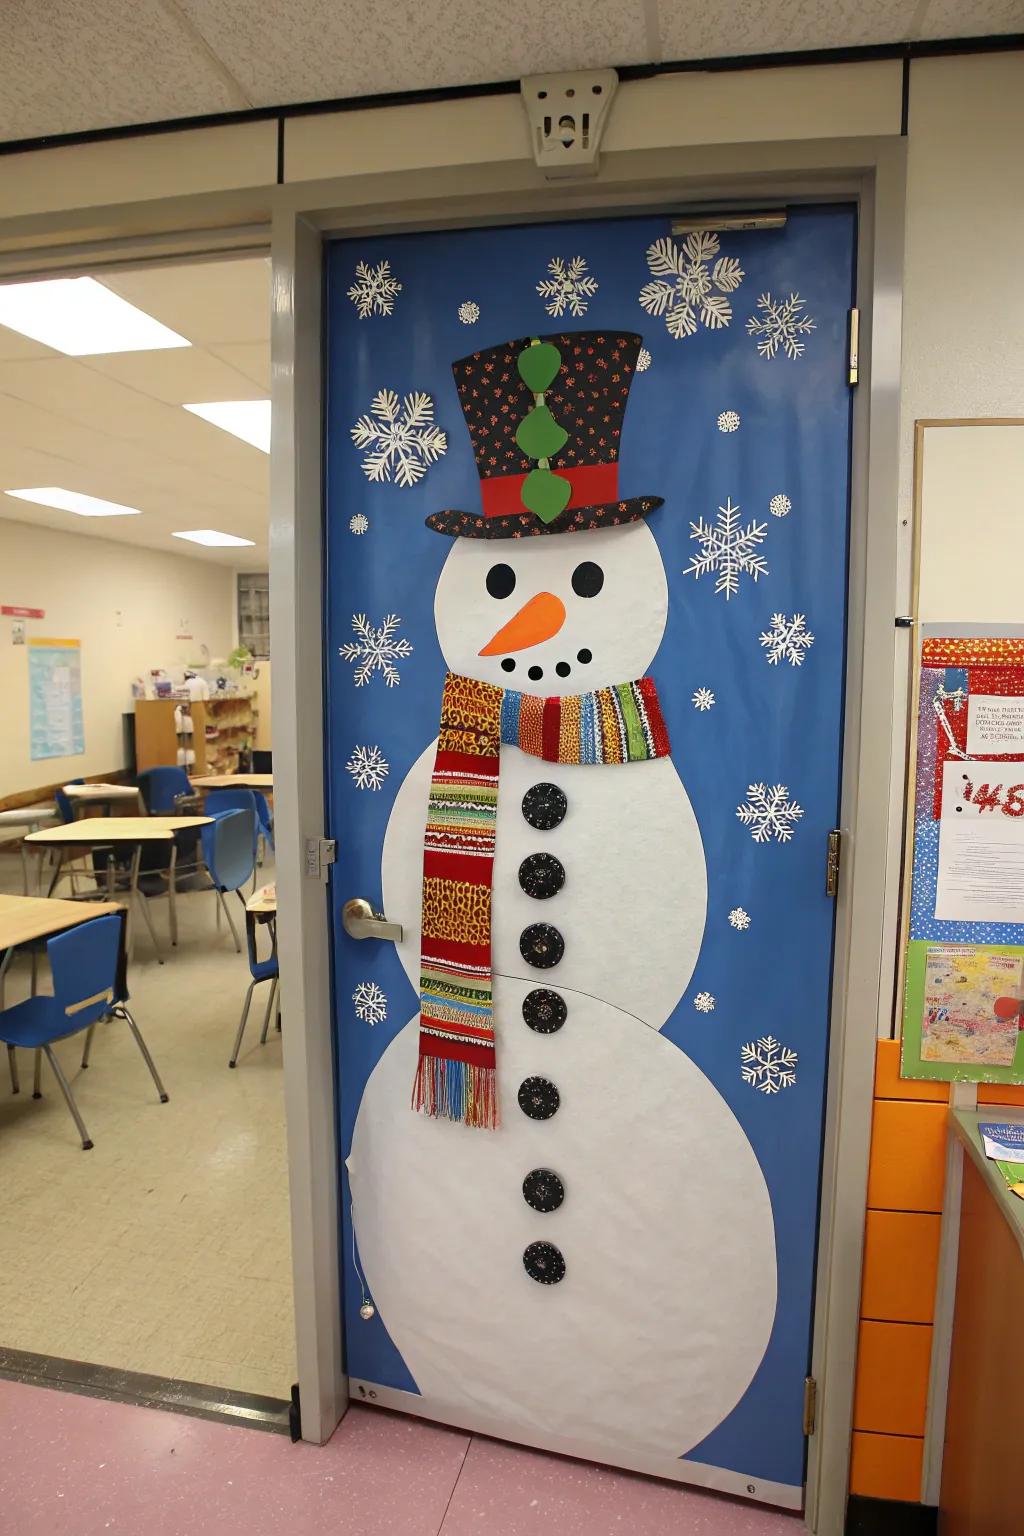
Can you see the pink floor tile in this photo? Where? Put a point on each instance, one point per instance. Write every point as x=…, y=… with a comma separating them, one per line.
x=507, y=1491
x=76, y=1466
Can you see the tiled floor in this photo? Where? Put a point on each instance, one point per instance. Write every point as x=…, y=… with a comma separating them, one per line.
x=165, y=1249
x=73, y=1466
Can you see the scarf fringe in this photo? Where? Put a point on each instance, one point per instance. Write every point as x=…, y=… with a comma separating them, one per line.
x=454, y=1090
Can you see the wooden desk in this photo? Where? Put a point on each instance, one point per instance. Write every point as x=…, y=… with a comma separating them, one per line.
x=102, y=794
x=23, y=918
x=115, y=829
x=260, y=781
x=980, y=1477
x=103, y=832
x=31, y=816
x=263, y=903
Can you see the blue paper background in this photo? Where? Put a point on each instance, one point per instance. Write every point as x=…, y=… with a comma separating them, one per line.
x=778, y=724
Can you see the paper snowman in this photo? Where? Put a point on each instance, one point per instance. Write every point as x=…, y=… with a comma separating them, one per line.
x=598, y=1270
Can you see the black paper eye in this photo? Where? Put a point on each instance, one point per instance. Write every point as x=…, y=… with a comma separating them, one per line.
x=501, y=580
x=544, y=1263
x=587, y=579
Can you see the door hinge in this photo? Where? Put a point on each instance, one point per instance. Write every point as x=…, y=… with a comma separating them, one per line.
x=810, y=1405
x=832, y=856
x=854, y=356
x=321, y=853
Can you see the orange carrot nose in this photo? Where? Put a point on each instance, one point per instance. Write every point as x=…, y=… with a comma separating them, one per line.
x=537, y=620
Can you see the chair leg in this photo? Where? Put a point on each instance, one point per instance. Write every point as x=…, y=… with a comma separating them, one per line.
x=172, y=891
x=88, y=1044
x=12, y=1067
x=241, y=1026
x=143, y=1047
x=69, y=1097
x=270, y=1011
x=142, y=902
x=37, y=1079
x=231, y=921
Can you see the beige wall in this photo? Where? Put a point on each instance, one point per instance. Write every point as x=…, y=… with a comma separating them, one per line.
x=126, y=606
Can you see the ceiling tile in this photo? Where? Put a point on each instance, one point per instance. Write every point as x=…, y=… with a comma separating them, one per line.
x=984, y=18
x=70, y=65
x=250, y=357
x=308, y=50
x=178, y=377
x=207, y=302
x=720, y=28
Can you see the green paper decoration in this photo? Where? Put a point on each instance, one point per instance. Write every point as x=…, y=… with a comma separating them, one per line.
x=545, y=494
x=538, y=366
x=539, y=435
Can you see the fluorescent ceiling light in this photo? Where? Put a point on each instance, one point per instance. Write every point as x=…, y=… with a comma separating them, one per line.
x=247, y=419
x=212, y=537
x=78, y=316
x=74, y=501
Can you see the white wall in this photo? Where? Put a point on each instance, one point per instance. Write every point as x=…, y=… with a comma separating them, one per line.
x=126, y=606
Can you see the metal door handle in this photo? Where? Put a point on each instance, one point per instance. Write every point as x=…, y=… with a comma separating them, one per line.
x=362, y=922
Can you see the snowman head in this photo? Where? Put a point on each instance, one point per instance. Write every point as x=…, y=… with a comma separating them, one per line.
x=553, y=616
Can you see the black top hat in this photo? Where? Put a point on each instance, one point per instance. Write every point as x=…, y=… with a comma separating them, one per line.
x=545, y=417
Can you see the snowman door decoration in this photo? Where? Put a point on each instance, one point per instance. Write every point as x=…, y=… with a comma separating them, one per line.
x=567, y=1234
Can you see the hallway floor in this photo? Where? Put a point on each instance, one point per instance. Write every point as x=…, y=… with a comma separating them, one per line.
x=76, y=1466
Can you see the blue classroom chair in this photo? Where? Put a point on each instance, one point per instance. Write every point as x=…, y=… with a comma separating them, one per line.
x=86, y=988
x=260, y=970
x=229, y=852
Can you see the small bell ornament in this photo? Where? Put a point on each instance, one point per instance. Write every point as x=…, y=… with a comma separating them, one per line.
x=367, y=1310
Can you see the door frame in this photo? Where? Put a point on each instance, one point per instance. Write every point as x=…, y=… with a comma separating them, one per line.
x=869, y=171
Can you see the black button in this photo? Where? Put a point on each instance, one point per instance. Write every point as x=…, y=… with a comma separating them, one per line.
x=541, y=945
x=541, y=875
x=538, y=1098
x=544, y=1263
x=543, y=1190
x=544, y=1011
x=544, y=806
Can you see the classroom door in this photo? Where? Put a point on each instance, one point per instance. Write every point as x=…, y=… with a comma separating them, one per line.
x=587, y=504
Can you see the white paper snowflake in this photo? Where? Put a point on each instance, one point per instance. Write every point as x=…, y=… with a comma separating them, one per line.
x=703, y=699
x=728, y=549
x=704, y=1002
x=374, y=290
x=376, y=650
x=729, y=421
x=769, y=813
x=368, y=767
x=767, y=1065
x=358, y=523
x=371, y=1003
x=739, y=919
x=469, y=312
x=780, y=324
x=569, y=287
x=399, y=442
x=780, y=506
x=685, y=285
x=643, y=360
x=787, y=640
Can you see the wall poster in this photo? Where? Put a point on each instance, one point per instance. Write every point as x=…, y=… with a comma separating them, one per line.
x=55, y=698
x=963, y=1008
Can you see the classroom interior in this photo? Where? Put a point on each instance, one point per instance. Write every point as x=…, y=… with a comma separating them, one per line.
x=152, y=1238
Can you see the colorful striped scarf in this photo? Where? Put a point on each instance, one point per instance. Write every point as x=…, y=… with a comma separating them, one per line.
x=455, y=1078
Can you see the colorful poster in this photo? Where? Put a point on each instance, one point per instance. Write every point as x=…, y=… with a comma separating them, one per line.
x=55, y=699
x=966, y=932
x=971, y=1005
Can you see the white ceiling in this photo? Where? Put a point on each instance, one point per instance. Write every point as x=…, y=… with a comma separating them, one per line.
x=72, y=65
x=113, y=427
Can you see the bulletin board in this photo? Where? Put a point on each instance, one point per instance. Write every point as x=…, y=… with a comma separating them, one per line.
x=963, y=937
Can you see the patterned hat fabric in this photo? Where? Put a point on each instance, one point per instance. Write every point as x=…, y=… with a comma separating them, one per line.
x=545, y=418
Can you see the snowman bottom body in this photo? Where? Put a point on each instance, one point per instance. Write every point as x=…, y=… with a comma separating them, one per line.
x=667, y=1302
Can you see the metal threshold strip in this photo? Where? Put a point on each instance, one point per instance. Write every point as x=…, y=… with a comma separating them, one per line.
x=222, y=1404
